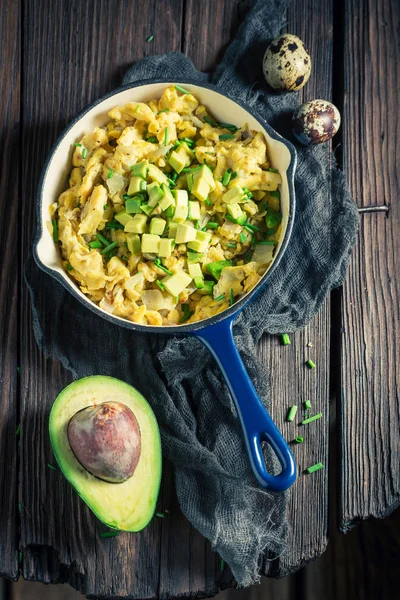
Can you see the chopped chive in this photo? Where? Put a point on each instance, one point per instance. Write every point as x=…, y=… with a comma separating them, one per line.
x=69, y=267
x=228, y=126
x=105, y=207
x=210, y=121
x=110, y=174
x=310, y=364
x=307, y=404
x=267, y=243
x=251, y=227
x=109, y=534
x=165, y=136
x=275, y=194
x=181, y=89
x=285, y=339
x=150, y=38
x=163, y=111
x=109, y=248
x=234, y=175
x=222, y=567
x=314, y=468
x=78, y=145
x=176, y=299
x=52, y=467
x=55, y=230
x=84, y=153
x=292, y=413
x=311, y=419
x=136, y=110
x=158, y=264
x=177, y=144
x=226, y=178
x=102, y=239
x=231, y=297
x=212, y=225
x=208, y=202
x=242, y=237
x=114, y=225
x=95, y=244
x=299, y=439
x=219, y=298
x=160, y=514
x=174, y=176
x=226, y=136
x=273, y=170
x=187, y=313
x=171, y=182
x=231, y=245
x=18, y=429
x=210, y=153
x=152, y=139
x=160, y=285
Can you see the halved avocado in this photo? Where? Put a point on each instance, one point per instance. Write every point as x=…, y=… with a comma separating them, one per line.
x=129, y=505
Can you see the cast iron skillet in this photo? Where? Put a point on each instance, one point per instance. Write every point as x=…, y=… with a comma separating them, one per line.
x=215, y=332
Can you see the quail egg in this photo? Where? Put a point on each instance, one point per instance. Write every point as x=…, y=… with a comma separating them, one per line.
x=315, y=122
x=286, y=63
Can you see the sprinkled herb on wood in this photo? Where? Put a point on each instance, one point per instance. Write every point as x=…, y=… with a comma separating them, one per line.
x=292, y=413
x=314, y=468
x=311, y=419
x=310, y=364
x=285, y=339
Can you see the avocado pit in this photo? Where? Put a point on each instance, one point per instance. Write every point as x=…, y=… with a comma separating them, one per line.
x=106, y=440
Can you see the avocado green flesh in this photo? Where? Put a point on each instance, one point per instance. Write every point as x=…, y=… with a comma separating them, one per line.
x=127, y=506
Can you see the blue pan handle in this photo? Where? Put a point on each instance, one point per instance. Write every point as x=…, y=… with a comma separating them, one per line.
x=256, y=422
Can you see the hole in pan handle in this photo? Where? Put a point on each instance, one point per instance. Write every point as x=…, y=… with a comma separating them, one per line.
x=256, y=422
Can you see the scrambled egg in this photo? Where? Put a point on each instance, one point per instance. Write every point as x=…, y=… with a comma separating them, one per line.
x=120, y=228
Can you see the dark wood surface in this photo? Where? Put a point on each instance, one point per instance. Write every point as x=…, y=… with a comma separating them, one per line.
x=72, y=52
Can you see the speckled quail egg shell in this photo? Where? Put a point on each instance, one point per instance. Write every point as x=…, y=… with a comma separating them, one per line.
x=286, y=63
x=315, y=122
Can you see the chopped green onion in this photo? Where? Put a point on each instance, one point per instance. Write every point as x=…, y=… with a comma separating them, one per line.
x=171, y=182
x=226, y=178
x=78, y=144
x=226, y=136
x=228, y=126
x=231, y=245
x=234, y=175
x=55, y=230
x=105, y=207
x=114, y=225
x=150, y=38
x=251, y=227
x=52, y=467
x=188, y=140
x=162, y=515
x=160, y=285
x=84, y=153
x=311, y=419
x=158, y=264
x=102, y=239
x=110, y=174
x=275, y=194
x=181, y=89
x=292, y=413
x=208, y=202
x=152, y=139
x=165, y=136
x=174, y=176
x=210, y=121
x=124, y=258
x=163, y=111
x=231, y=297
x=177, y=143
x=310, y=364
x=285, y=339
x=95, y=244
x=242, y=237
x=18, y=429
x=187, y=313
x=136, y=109
x=176, y=299
x=212, y=225
x=273, y=170
x=109, y=534
x=299, y=439
x=69, y=267
x=307, y=404
x=267, y=243
x=109, y=248
x=248, y=193
x=219, y=298
x=314, y=468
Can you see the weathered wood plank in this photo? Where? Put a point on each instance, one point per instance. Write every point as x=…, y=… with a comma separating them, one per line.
x=9, y=290
x=370, y=402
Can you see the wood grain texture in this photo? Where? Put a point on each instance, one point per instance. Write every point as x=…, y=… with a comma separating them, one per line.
x=370, y=402
x=9, y=228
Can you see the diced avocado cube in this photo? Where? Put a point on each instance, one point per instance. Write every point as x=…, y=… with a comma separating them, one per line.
x=155, y=194
x=157, y=226
x=195, y=270
x=207, y=289
x=200, y=189
x=184, y=234
x=204, y=173
x=198, y=246
x=135, y=185
x=133, y=241
x=215, y=268
x=234, y=210
x=150, y=243
x=177, y=283
x=185, y=151
x=181, y=197
x=169, y=213
x=123, y=217
x=140, y=169
x=173, y=228
x=234, y=195
x=146, y=209
x=180, y=215
x=133, y=205
x=194, y=257
x=177, y=161
x=134, y=280
x=167, y=199
x=194, y=210
x=166, y=247
x=137, y=225
x=203, y=236
x=156, y=175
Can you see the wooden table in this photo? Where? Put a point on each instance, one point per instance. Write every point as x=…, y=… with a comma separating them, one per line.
x=56, y=58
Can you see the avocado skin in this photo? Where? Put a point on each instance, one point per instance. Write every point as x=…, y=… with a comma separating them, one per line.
x=126, y=506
